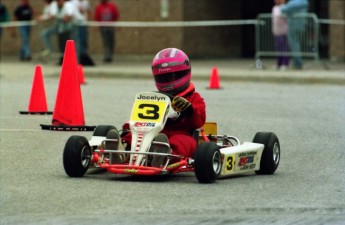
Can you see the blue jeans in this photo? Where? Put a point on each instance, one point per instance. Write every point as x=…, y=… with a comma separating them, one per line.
x=108, y=38
x=25, y=51
x=295, y=36
x=80, y=36
x=46, y=36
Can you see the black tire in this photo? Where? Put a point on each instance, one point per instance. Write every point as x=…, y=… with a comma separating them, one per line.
x=271, y=154
x=207, y=162
x=102, y=130
x=76, y=156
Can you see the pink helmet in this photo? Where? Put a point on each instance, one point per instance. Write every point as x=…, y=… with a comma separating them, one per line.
x=171, y=70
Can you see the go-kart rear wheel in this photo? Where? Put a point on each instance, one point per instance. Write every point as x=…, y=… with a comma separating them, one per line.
x=102, y=130
x=271, y=154
x=76, y=156
x=208, y=162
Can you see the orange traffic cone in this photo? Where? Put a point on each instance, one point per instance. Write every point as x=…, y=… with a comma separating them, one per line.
x=68, y=112
x=38, y=101
x=214, y=79
x=81, y=74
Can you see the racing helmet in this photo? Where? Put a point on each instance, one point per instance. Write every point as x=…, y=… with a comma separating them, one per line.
x=171, y=70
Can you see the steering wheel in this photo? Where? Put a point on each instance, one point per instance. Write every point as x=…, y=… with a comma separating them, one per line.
x=172, y=113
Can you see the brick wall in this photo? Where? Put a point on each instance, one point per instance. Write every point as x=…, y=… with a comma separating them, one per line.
x=202, y=41
x=196, y=41
x=337, y=32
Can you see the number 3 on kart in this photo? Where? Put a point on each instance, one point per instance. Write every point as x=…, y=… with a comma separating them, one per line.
x=151, y=111
x=143, y=111
x=230, y=163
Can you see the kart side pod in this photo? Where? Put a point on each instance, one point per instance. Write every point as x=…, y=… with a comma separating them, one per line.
x=222, y=156
x=241, y=159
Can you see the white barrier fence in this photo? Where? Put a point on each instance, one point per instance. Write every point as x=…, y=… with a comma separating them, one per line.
x=148, y=23
x=263, y=26
x=169, y=23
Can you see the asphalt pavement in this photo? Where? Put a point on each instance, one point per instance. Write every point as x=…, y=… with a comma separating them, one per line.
x=229, y=69
x=306, y=115
x=307, y=188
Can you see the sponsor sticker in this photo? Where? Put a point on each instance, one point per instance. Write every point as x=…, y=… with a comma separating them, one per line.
x=144, y=124
x=131, y=171
x=173, y=165
x=247, y=160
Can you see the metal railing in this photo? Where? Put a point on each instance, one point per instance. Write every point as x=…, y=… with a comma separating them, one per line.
x=264, y=38
x=309, y=36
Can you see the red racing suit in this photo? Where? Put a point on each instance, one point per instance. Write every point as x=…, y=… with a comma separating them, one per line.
x=180, y=131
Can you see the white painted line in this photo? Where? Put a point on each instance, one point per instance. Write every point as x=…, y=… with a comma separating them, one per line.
x=20, y=129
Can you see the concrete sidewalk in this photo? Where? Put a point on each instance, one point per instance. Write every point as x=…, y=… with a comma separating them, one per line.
x=138, y=67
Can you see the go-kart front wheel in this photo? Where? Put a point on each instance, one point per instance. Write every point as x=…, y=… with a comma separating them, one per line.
x=76, y=156
x=271, y=154
x=102, y=130
x=207, y=162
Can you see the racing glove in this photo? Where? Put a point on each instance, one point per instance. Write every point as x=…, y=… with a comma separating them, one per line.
x=180, y=104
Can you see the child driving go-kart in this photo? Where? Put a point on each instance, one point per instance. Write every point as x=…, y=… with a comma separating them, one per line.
x=171, y=71
x=162, y=133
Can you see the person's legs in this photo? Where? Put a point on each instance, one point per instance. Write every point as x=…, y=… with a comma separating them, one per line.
x=25, y=51
x=62, y=39
x=61, y=45
x=294, y=39
x=182, y=144
x=112, y=39
x=83, y=55
x=46, y=35
x=76, y=38
x=108, y=43
x=104, y=41
x=157, y=160
x=285, y=49
x=83, y=38
x=276, y=48
x=114, y=143
x=282, y=48
x=27, y=43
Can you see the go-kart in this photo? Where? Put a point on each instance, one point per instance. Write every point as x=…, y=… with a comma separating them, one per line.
x=216, y=156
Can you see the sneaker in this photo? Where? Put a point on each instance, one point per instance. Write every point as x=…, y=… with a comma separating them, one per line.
x=45, y=53
x=283, y=68
x=107, y=60
x=157, y=160
x=114, y=145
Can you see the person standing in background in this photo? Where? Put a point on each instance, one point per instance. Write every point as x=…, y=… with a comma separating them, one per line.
x=24, y=12
x=63, y=11
x=107, y=12
x=280, y=31
x=296, y=23
x=49, y=31
x=80, y=32
x=4, y=16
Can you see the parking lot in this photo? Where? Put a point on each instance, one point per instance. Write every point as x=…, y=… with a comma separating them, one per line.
x=304, y=108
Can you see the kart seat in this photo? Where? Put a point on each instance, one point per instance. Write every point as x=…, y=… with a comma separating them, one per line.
x=209, y=128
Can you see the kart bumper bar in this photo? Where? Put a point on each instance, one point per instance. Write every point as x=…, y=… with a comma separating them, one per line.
x=145, y=170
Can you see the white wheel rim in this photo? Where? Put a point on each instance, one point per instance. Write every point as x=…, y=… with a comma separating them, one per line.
x=85, y=156
x=276, y=153
x=216, y=162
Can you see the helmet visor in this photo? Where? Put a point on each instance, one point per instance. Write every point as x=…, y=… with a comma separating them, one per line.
x=170, y=77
